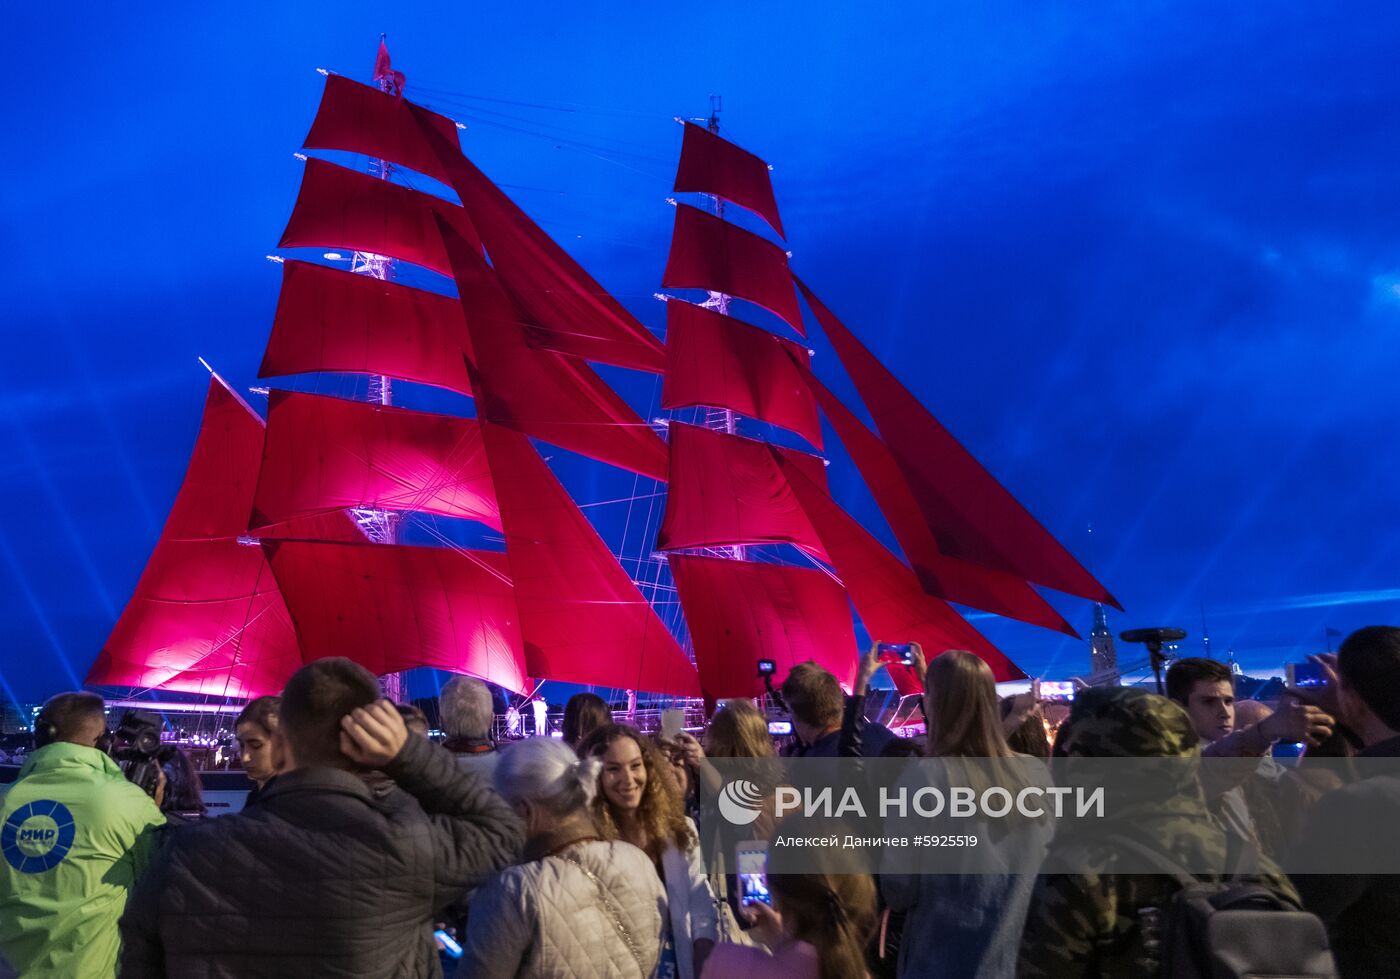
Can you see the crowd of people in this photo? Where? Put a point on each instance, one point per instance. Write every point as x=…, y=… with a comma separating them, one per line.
x=366, y=849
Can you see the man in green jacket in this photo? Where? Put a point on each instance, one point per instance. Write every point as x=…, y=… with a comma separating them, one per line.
x=74, y=837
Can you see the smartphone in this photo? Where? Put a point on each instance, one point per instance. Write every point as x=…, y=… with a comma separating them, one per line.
x=672, y=722
x=1305, y=675
x=448, y=944
x=751, y=867
x=898, y=652
x=1056, y=691
x=766, y=667
x=779, y=727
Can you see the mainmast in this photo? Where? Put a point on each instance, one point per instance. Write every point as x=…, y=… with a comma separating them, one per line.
x=381, y=526
x=720, y=419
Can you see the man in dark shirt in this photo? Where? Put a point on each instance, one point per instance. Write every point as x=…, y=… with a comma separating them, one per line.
x=1362, y=911
x=322, y=876
x=817, y=704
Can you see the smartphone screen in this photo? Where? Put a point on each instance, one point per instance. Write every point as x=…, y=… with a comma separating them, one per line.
x=899, y=652
x=1057, y=691
x=751, y=867
x=448, y=944
x=1306, y=675
x=672, y=722
x=779, y=727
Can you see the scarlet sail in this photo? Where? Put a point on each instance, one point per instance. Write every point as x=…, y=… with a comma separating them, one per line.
x=971, y=515
x=709, y=253
x=885, y=591
x=716, y=360
x=338, y=321
x=711, y=165
x=340, y=208
x=539, y=392
x=369, y=455
x=393, y=607
x=726, y=490
x=740, y=612
x=942, y=576
x=563, y=307
x=360, y=119
x=582, y=617
x=206, y=616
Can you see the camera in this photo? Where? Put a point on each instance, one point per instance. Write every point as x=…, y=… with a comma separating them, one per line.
x=135, y=747
x=766, y=667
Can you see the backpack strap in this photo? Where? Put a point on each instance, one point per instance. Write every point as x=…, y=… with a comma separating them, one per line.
x=1160, y=860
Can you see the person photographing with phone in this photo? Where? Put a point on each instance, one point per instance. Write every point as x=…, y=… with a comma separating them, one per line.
x=813, y=926
x=818, y=708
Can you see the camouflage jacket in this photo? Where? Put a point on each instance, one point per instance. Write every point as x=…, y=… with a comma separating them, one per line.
x=1095, y=921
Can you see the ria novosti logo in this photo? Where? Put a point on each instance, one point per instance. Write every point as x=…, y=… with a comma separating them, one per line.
x=740, y=802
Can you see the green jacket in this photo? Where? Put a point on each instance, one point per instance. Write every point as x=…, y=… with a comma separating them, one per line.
x=74, y=837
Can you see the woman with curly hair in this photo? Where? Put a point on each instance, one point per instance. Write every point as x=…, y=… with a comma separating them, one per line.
x=637, y=802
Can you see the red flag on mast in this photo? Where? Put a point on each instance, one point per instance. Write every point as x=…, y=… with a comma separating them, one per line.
x=384, y=72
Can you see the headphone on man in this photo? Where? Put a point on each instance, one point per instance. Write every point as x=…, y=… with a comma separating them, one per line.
x=45, y=730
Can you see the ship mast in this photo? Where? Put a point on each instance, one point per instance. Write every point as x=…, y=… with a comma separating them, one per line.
x=720, y=419
x=380, y=526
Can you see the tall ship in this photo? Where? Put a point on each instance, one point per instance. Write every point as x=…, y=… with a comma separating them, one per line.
x=292, y=535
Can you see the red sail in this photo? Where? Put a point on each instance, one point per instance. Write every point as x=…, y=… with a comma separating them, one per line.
x=360, y=119
x=972, y=516
x=341, y=208
x=582, y=617
x=740, y=612
x=887, y=595
x=711, y=165
x=729, y=490
x=944, y=577
x=369, y=455
x=394, y=607
x=716, y=360
x=548, y=395
x=341, y=322
x=206, y=616
x=563, y=307
x=709, y=253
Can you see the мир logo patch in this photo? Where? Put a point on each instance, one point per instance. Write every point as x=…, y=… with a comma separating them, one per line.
x=37, y=836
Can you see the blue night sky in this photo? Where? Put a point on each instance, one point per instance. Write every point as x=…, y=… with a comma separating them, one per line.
x=1143, y=260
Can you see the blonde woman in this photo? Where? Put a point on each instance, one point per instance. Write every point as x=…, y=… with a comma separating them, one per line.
x=637, y=802
x=969, y=924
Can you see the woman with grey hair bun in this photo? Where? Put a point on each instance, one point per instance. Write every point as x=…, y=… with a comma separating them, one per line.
x=576, y=906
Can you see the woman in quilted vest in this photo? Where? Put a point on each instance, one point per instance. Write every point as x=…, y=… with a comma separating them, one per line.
x=638, y=802
x=576, y=906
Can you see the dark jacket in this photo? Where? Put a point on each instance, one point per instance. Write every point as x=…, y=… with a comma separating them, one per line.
x=1362, y=911
x=859, y=738
x=322, y=876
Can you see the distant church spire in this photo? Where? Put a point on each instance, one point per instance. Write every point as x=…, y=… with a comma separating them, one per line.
x=1103, y=657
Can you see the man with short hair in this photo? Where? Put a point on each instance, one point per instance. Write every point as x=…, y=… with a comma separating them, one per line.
x=74, y=836
x=1362, y=911
x=1206, y=688
x=817, y=704
x=320, y=875
x=466, y=711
